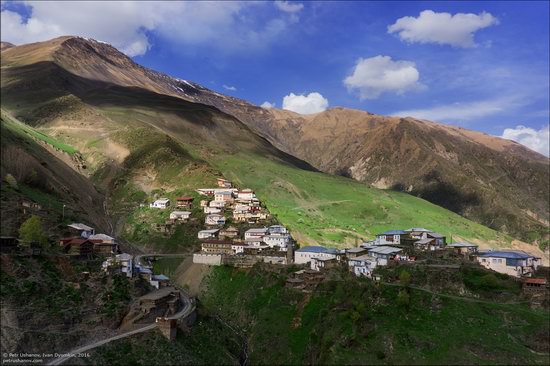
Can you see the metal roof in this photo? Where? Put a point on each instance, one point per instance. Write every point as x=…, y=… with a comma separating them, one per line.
x=160, y=277
x=355, y=250
x=419, y=229
x=394, y=232
x=508, y=254
x=317, y=249
x=79, y=226
x=257, y=230
x=461, y=245
x=423, y=241
x=101, y=237
x=436, y=235
x=384, y=250
x=210, y=231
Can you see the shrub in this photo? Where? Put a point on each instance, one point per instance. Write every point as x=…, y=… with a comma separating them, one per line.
x=404, y=277
x=10, y=179
x=32, y=231
x=403, y=298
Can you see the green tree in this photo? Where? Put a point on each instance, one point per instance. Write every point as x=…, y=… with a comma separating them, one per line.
x=404, y=277
x=403, y=298
x=31, y=231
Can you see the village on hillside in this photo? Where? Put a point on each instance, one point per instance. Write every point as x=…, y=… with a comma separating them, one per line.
x=223, y=243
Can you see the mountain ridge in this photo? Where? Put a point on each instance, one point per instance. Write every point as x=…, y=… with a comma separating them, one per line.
x=69, y=82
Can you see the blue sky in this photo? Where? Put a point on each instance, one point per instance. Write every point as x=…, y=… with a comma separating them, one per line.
x=481, y=65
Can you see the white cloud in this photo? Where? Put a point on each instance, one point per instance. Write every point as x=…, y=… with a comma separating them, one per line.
x=267, y=105
x=289, y=7
x=533, y=139
x=225, y=26
x=305, y=104
x=442, y=28
x=463, y=111
x=373, y=76
x=229, y=87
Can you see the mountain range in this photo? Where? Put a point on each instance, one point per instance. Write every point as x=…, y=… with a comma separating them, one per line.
x=138, y=130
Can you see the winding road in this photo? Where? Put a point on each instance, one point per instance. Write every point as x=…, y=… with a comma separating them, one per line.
x=186, y=310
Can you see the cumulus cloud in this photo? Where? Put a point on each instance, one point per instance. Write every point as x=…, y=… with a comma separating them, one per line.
x=376, y=75
x=225, y=26
x=305, y=104
x=267, y=105
x=229, y=87
x=289, y=7
x=535, y=140
x=442, y=28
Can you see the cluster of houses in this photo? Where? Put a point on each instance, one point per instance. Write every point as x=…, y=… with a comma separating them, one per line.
x=83, y=241
x=390, y=246
x=242, y=203
x=394, y=244
x=227, y=241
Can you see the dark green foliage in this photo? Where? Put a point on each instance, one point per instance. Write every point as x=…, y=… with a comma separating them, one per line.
x=479, y=280
x=116, y=295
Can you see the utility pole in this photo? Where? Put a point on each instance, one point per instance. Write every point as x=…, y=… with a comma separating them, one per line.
x=63, y=219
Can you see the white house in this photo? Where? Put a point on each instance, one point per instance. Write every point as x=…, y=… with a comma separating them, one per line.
x=305, y=254
x=180, y=215
x=124, y=261
x=217, y=204
x=103, y=237
x=277, y=240
x=223, y=196
x=512, y=262
x=390, y=237
x=462, y=248
x=363, y=265
x=418, y=232
x=318, y=264
x=238, y=247
x=212, y=210
x=246, y=194
x=84, y=231
x=277, y=229
x=224, y=183
x=240, y=208
x=258, y=233
x=160, y=203
x=383, y=253
x=214, y=219
x=208, y=234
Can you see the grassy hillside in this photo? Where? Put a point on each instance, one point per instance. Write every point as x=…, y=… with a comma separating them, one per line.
x=352, y=322
x=330, y=209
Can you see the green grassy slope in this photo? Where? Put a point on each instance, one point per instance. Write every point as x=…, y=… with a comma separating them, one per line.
x=330, y=209
x=356, y=322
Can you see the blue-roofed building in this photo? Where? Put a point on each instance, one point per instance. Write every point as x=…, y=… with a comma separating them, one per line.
x=511, y=262
x=391, y=237
x=158, y=281
x=305, y=254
